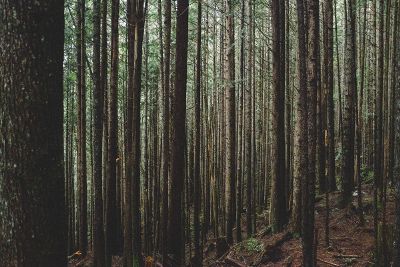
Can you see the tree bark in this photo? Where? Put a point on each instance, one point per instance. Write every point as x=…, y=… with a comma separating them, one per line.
x=111, y=181
x=198, y=253
x=313, y=74
x=178, y=135
x=230, y=119
x=33, y=221
x=301, y=133
x=349, y=105
x=98, y=230
x=278, y=215
x=81, y=128
x=166, y=134
x=396, y=260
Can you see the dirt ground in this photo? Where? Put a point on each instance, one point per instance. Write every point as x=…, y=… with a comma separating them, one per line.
x=350, y=243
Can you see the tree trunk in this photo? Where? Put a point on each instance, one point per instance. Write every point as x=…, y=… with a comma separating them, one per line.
x=98, y=230
x=396, y=261
x=33, y=228
x=230, y=119
x=349, y=105
x=247, y=124
x=81, y=78
x=178, y=116
x=329, y=90
x=166, y=133
x=111, y=205
x=313, y=73
x=278, y=215
x=198, y=253
x=301, y=133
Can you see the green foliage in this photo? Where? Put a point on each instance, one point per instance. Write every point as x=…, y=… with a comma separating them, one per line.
x=367, y=175
x=253, y=245
x=296, y=235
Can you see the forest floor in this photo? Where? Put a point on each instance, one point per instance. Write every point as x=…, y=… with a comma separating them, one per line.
x=351, y=244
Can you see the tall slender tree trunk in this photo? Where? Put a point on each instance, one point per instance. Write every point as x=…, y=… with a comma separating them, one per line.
x=301, y=133
x=81, y=128
x=98, y=230
x=111, y=181
x=247, y=123
x=230, y=119
x=339, y=80
x=178, y=135
x=198, y=254
x=313, y=83
x=396, y=260
x=240, y=162
x=33, y=228
x=136, y=150
x=104, y=89
x=349, y=105
x=166, y=126
x=278, y=215
x=379, y=102
x=329, y=131
x=329, y=90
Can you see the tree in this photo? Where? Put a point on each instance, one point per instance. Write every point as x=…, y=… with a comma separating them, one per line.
x=166, y=134
x=33, y=224
x=111, y=183
x=378, y=170
x=396, y=111
x=240, y=134
x=278, y=215
x=198, y=254
x=230, y=120
x=248, y=122
x=81, y=127
x=178, y=116
x=301, y=133
x=132, y=226
x=313, y=74
x=128, y=242
x=98, y=230
x=349, y=105
x=328, y=90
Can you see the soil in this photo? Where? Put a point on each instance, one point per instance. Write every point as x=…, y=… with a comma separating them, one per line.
x=350, y=242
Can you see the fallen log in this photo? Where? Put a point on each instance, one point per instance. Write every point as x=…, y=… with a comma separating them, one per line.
x=270, y=247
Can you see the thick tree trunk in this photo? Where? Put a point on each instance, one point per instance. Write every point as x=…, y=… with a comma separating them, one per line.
x=33, y=221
